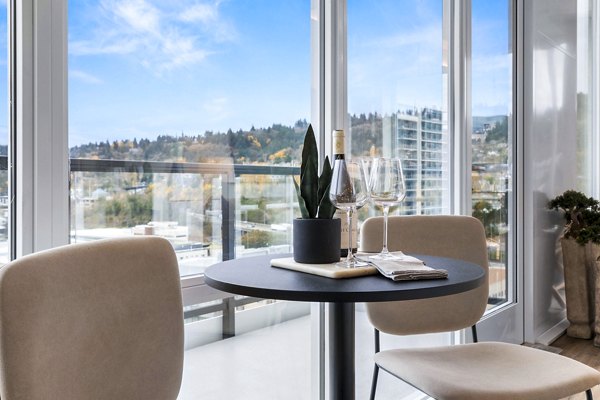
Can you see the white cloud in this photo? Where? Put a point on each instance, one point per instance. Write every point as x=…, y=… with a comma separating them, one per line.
x=138, y=14
x=208, y=17
x=85, y=77
x=91, y=47
x=159, y=37
x=201, y=13
x=178, y=52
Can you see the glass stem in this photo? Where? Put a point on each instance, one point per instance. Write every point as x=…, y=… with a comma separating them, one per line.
x=350, y=256
x=386, y=210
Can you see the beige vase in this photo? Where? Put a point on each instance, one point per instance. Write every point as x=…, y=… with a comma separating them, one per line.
x=597, y=302
x=579, y=266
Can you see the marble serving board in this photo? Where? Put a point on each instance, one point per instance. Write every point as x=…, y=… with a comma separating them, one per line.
x=327, y=270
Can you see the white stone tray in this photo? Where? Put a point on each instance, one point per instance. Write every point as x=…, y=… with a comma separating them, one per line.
x=327, y=270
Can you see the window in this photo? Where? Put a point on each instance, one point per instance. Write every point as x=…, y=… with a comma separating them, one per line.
x=4, y=138
x=492, y=136
x=177, y=113
x=397, y=108
x=186, y=121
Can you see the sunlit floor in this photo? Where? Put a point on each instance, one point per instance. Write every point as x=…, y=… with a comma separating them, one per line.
x=274, y=363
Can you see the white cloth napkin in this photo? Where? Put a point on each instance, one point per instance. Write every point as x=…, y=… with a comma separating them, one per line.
x=406, y=268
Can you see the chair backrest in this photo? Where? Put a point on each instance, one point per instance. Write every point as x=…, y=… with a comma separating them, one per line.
x=458, y=237
x=100, y=320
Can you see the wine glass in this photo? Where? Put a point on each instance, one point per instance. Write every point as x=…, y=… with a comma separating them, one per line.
x=386, y=187
x=348, y=192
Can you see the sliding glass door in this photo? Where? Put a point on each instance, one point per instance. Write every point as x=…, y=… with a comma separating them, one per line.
x=494, y=169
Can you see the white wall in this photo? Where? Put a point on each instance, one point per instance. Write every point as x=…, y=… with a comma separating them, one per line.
x=550, y=167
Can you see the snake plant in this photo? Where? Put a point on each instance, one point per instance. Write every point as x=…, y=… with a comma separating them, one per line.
x=313, y=190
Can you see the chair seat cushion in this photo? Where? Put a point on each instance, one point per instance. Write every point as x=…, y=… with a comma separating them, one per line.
x=489, y=370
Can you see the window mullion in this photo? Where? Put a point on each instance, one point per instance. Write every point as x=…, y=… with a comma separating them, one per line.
x=458, y=18
x=42, y=150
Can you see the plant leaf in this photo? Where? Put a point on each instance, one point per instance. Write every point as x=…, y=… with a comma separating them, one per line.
x=309, y=173
x=326, y=208
x=303, y=210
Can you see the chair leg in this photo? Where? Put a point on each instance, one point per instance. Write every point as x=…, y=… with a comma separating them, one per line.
x=474, y=331
x=374, y=381
x=588, y=394
x=375, y=368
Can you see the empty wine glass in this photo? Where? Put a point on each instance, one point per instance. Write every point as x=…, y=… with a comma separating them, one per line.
x=386, y=187
x=348, y=192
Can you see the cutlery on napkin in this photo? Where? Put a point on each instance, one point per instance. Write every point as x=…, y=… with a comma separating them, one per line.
x=405, y=268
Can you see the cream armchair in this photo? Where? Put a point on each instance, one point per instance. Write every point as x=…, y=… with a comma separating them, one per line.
x=100, y=320
x=490, y=370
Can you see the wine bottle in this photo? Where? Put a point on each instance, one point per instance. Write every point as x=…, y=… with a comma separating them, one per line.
x=344, y=230
x=343, y=180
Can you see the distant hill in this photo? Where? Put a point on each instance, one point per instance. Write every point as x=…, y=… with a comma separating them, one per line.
x=479, y=122
x=277, y=144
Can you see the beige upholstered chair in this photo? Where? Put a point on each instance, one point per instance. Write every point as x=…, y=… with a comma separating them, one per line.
x=101, y=320
x=490, y=371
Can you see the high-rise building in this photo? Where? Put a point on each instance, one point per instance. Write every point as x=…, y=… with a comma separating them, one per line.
x=419, y=138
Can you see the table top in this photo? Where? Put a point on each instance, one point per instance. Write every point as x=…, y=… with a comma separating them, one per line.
x=254, y=276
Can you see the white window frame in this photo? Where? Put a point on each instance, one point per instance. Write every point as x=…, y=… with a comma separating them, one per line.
x=42, y=155
x=595, y=98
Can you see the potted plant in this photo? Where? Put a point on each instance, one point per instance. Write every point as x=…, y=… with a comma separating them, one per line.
x=317, y=233
x=580, y=247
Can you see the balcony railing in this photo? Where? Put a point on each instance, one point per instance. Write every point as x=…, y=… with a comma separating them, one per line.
x=229, y=206
x=227, y=172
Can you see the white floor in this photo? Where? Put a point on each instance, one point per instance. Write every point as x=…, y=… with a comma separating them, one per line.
x=274, y=363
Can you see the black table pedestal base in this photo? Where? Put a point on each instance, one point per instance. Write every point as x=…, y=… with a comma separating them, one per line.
x=341, y=351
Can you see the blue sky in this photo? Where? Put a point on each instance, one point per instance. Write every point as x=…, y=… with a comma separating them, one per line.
x=395, y=55
x=3, y=75
x=491, y=61
x=140, y=68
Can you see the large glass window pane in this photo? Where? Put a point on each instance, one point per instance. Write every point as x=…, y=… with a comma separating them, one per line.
x=186, y=120
x=170, y=105
x=587, y=117
x=397, y=108
x=396, y=95
x=4, y=136
x=492, y=135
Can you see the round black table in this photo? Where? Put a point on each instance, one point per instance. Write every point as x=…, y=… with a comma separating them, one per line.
x=254, y=276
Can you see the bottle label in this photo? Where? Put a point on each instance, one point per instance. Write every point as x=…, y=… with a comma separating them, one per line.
x=344, y=233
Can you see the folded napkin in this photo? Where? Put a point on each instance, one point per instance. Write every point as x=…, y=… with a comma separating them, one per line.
x=405, y=268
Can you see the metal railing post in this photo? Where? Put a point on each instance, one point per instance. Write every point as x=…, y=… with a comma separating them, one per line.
x=228, y=213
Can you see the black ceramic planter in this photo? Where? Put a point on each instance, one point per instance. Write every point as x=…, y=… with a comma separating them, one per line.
x=317, y=241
